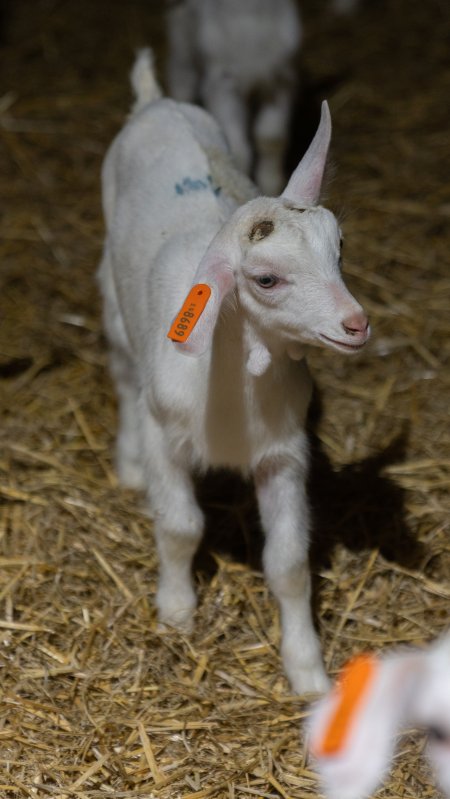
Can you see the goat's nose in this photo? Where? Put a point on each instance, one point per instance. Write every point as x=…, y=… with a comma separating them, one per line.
x=356, y=325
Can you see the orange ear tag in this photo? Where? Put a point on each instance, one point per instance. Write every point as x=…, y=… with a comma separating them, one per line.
x=354, y=684
x=192, y=309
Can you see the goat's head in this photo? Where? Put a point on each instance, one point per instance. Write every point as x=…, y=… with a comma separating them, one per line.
x=283, y=257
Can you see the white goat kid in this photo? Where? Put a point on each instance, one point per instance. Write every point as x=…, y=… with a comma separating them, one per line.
x=172, y=204
x=353, y=729
x=238, y=59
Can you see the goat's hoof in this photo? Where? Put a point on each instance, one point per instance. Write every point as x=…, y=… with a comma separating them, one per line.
x=181, y=623
x=180, y=618
x=131, y=475
x=309, y=681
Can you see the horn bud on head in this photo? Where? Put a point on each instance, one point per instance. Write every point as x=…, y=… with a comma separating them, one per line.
x=305, y=183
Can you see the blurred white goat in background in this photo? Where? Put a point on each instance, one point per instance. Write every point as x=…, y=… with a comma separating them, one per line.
x=239, y=59
x=345, y=7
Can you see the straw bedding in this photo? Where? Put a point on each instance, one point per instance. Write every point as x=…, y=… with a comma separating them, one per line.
x=95, y=700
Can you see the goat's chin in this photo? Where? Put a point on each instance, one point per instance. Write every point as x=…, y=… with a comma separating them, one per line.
x=339, y=345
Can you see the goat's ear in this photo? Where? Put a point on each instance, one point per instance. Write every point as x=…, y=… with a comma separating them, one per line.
x=305, y=182
x=216, y=272
x=353, y=729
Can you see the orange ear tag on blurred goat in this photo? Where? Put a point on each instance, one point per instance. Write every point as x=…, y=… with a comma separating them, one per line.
x=190, y=313
x=351, y=689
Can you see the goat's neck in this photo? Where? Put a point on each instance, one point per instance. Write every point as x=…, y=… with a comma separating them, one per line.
x=245, y=345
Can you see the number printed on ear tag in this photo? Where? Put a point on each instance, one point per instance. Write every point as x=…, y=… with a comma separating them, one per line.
x=192, y=309
x=354, y=683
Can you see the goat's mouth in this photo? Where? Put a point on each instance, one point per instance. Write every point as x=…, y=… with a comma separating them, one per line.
x=343, y=346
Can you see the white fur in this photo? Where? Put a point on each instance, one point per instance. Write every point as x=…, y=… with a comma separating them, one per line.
x=409, y=689
x=242, y=401
x=239, y=59
x=345, y=7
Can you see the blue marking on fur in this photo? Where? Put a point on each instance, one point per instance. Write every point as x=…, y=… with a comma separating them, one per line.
x=189, y=185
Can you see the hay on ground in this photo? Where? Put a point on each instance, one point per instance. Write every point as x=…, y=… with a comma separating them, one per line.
x=95, y=700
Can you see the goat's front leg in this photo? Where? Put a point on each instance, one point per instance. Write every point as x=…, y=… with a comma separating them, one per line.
x=178, y=526
x=225, y=102
x=271, y=134
x=284, y=511
x=182, y=74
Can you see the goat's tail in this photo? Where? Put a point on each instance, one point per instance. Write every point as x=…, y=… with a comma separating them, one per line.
x=143, y=81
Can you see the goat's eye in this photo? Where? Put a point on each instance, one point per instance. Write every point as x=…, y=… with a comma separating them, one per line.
x=266, y=281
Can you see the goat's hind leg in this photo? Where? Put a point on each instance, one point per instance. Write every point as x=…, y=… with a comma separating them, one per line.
x=129, y=463
x=129, y=460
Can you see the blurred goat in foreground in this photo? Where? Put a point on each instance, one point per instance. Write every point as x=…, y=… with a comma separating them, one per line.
x=353, y=729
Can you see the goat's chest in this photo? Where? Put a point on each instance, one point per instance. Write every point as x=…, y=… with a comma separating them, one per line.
x=215, y=414
x=227, y=434
x=248, y=418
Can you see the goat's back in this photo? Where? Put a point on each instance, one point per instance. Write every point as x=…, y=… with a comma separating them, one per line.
x=159, y=158
x=163, y=206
